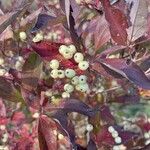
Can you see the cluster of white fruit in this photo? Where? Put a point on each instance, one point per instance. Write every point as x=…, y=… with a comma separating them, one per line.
x=69, y=52
x=115, y=135
x=76, y=82
x=117, y=139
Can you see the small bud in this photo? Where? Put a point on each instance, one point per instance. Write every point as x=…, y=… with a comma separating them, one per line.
x=22, y=36
x=1, y=61
x=36, y=115
x=89, y=127
x=60, y=137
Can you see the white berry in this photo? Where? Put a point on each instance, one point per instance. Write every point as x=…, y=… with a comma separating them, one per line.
x=68, y=88
x=54, y=64
x=67, y=55
x=54, y=73
x=78, y=57
x=62, y=49
x=1, y=61
x=114, y=134
x=61, y=74
x=118, y=140
x=72, y=48
x=116, y=147
x=82, y=79
x=89, y=127
x=60, y=136
x=75, y=80
x=111, y=129
x=146, y=135
x=83, y=65
x=65, y=95
x=22, y=36
x=70, y=73
x=82, y=87
x=2, y=72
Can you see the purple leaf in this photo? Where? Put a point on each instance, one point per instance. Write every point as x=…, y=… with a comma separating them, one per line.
x=42, y=20
x=117, y=23
x=91, y=145
x=130, y=70
x=74, y=105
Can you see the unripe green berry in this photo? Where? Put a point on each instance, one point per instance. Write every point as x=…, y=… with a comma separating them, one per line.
x=75, y=80
x=83, y=65
x=54, y=64
x=61, y=74
x=65, y=95
x=68, y=88
x=78, y=57
x=70, y=73
x=82, y=79
x=54, y=73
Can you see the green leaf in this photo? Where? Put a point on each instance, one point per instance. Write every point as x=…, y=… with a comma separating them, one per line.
x=8, y=91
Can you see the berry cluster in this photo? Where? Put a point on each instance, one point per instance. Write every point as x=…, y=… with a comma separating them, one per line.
x=117, y=139
x=78, y=82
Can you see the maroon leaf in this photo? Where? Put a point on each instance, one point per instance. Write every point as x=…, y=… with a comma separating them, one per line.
x=31, y=71
x=106, y=115
x=130, y=71
x=103, y=137
x=117, y=23
x=101, y=32
x=46, y=49
x=47, y=138
x=30, y=98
